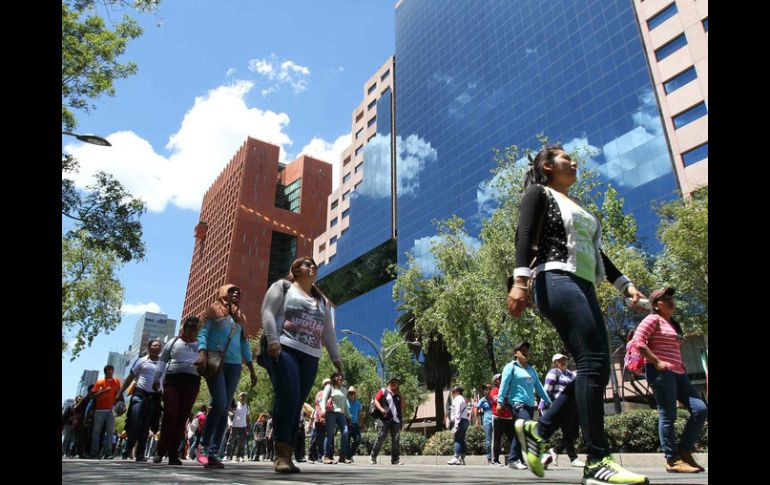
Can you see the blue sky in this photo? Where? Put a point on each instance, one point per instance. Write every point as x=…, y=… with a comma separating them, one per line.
x=212, y=73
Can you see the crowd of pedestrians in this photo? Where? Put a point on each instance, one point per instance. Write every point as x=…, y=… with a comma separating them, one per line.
x=558, y=259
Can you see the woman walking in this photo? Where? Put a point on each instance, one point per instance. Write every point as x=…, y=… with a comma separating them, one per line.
x=336, y=417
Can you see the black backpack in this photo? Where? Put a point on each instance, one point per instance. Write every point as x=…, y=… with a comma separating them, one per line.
x=373, y=411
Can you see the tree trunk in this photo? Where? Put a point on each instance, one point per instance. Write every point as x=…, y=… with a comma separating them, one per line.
x=414, y=416
x=439, y=398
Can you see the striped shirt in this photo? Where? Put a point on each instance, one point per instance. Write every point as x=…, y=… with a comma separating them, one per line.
x=661, y=338
x=556, y=381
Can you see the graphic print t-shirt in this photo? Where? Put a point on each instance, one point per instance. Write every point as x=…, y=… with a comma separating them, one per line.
x=303, y=322
x=586, y=227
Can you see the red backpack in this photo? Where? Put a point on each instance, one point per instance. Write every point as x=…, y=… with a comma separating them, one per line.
x=634, y=360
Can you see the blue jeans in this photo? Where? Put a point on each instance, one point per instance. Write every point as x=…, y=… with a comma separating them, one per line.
x=101, y=435
x=354, y=435
x=522, y=411
x=488, y=439
x=334, y=421
x=461, y=448
x=292, y=376
x=570, y=304
x=222, y=388
x=670, y=387
x=142, y=409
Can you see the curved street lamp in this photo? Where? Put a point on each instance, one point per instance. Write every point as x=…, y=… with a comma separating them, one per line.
x=382, y=352
x=92, y=139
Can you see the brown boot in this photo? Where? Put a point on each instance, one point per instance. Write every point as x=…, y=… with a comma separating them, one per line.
x=282, y=458
x=687, y=457
x=677, y=465
x=294, y=468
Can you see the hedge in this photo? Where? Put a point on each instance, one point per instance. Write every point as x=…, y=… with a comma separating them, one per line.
x=412, y=443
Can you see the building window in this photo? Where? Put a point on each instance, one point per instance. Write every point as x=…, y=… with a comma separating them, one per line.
x=372, y=121
x=359, y=116
x=705, y=23
x=333, y=240
x=358, y=150
x=283, y=249
x=372, y=105
x=695, y=155
x=372, y=88
x=691, y=114
x=288, y=197
x=346, y=178
x=662, y=16
x=359, y=166
x=680, y=80
x=346, y=195
x=356, y=187
x=668, y=49
x=322, y=248
x=385, y=76
x=333, y=222
x=371, y=138
x=359, y=133
x=385, y=91
x=343, y=232
x=346, y=161
x=335, y=203
x=345, y=213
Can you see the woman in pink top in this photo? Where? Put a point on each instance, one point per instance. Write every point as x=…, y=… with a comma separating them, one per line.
x=659, y=338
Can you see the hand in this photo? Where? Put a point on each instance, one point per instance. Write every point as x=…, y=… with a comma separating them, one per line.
x=661, y=366
x=202, y=360
x=338, y=365
x=274, y=350
x=635, y=295
x=253, y=378
x=156, y=386
x=517, y=300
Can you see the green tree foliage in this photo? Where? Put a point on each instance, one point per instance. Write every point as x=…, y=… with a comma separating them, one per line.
x=684, y=264
x=91, y=293
x=400, y=362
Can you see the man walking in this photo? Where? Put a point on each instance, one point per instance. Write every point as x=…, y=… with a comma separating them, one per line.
x=354, y=435
x=238, y=433
x=105, y=392
x=390, y=406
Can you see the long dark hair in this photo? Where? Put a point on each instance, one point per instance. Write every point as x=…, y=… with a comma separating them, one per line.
x=536, y=174
x=294, y=269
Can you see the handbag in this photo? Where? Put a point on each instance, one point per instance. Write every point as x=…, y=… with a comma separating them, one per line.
x=216, y=359
x=329, y=405
x=533, y=264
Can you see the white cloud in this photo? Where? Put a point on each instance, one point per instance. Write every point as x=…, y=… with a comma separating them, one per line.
x=279, y=73
x=413, y=154
x=140, y=308
x=211, y=132
x=230, y=72
x=329, y=152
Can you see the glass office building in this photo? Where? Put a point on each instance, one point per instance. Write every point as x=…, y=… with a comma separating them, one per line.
x=474, y=75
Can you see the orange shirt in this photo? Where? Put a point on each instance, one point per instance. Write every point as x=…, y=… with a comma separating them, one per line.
x=106, y=400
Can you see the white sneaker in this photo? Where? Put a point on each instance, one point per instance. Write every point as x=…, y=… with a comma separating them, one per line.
x=518, y=465
x=453, y=461
x=372, y=461
x=555, y=457
x=577, y=463
x=462, y=459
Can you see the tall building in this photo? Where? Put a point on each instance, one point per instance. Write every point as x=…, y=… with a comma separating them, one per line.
x=150, y=326
x=87, y=380
x=118, y=361
x=471, y=76
x=255, y=219
x=364, y=123
x=675, y=38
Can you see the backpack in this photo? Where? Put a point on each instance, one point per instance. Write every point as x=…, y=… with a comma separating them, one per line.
x=634, y=360
x=373, y=411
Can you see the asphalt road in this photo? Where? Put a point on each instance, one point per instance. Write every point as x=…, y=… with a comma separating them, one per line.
x=85, y=472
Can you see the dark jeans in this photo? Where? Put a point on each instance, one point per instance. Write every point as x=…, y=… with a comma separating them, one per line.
x=502, y=427
x=317, y=436
x=670, y=387
x=260, y=449
x=522, y=411
x=292, y=376
x=354, y=435
x=179, y=395
x=394, y=429
x=299, y=447
x=236, y=446
x=569, y=302
x=334, y=421
x=222, y=388
x=569, y=430
x=461, y=448
x=143, y=406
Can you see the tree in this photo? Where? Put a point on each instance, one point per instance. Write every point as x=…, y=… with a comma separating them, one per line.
x=683, y=264
x=401, y=363
x=91, y=294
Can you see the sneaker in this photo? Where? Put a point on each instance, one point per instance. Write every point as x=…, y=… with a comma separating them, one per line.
x=202, y=459
x=397, y=462
x=518, y=465
x=497, y=463
x=462, y=460
x=312, y=462
x=546, y=460
x=555, y=457
x=214, y=463
x=347, y=461
x=453, y=461
x=607, y=471
x=329, y=461
x=174, y=461
x=578, y=463
x=536, y=445
x=157, y=459
x=678, y=465
x=687, y=457
x=372, y=461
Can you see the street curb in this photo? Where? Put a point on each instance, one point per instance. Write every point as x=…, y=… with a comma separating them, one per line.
x=629, y=460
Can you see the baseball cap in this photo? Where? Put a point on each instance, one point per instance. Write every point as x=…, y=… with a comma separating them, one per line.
x=326, y=381
x=521, y=344
x=558, y=357
x=351, y=389
x=496, y=377
x=660, y=293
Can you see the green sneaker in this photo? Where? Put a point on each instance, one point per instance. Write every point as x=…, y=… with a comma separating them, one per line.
x=535, y=447
x=607, y=471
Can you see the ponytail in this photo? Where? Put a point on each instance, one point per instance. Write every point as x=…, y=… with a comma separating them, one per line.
x=536, y=174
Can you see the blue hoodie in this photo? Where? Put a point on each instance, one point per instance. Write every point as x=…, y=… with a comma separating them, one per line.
x=518, y=385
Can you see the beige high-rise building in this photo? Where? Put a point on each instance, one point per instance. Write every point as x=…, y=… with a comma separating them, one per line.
x=364, y=128
x=675, y=35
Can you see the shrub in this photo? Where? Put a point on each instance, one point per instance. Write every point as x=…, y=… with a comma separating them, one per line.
x=442, y=443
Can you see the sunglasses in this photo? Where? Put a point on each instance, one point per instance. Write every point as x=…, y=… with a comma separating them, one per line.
x=309, y=264
x=233, y=290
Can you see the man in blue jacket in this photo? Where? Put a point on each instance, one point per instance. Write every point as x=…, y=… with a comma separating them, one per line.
x=517, y=392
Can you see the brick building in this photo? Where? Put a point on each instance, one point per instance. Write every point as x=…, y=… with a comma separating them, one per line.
x=255, y=219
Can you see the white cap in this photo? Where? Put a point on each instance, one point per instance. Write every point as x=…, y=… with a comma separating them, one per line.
x=326, y=381
x=558, y=357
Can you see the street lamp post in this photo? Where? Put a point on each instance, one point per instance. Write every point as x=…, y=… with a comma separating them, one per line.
x=382, y=352
x=92, y=139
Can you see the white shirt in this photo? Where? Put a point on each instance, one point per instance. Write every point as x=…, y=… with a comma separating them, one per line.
x=459, y=409
x=239, y=416
x=144, y=370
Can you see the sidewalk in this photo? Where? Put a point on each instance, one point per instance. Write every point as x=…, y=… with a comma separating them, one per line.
x=630, y=460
